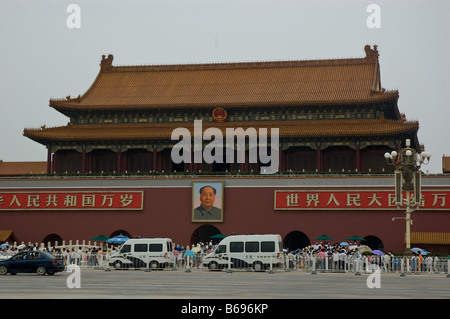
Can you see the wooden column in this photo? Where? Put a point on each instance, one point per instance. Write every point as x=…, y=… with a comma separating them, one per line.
x=83, y=161
x=358, y=158
x=119, y=161
x=319, y=165
x=280, y=160
x=155, y=158
x=49, y=161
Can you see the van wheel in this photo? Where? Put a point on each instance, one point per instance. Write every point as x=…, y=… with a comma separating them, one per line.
x=117, y=265
x=213, y=266
x=154, y=265
x=257, y=266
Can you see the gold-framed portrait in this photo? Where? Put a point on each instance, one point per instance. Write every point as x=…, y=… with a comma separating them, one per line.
x=207, y=201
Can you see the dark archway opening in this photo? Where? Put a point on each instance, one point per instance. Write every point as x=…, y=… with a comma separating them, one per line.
x=203, y=234
x=53, y=239
x=120, y=232
x=296, y=240
x=374, y=243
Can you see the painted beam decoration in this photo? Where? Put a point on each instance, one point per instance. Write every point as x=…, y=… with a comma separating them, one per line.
x=438, y=199
x=126, y=200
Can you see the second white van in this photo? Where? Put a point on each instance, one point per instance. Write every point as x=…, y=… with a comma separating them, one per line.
x=244, y=251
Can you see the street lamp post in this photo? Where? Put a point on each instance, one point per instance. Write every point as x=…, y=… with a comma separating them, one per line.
x=407, y=165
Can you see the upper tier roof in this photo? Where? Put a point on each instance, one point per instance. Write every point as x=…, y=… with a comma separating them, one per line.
x=315, y=82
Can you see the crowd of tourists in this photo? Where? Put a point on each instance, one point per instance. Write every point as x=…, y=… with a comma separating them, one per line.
x=347, y=257
x=321, y=256
x=198, y=250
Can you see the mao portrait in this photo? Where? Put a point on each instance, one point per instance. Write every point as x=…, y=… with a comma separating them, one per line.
x=207, y=201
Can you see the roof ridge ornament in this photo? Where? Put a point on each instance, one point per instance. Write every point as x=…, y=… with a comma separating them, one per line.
x=371, y=54
x=106, y=63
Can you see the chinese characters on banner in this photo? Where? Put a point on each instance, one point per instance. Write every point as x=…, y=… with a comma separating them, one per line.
x=72, y=200
x=355, y=199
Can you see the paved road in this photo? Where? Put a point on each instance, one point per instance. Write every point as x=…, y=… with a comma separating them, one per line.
x=201, y=284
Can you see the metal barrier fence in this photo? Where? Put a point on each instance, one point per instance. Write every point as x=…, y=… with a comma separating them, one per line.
x=367, y=264
x=98, y=256
x=309, y=263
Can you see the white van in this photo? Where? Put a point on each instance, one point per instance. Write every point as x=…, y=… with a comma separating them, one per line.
x=245, y=251
x=153, y=253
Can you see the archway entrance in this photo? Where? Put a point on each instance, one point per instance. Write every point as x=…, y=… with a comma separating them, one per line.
x=53, y=239
x=120, y=232
x=203, y=234
x=374, y=242
x=296, y=240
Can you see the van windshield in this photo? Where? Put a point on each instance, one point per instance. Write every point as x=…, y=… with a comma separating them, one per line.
x=221, y=249
x=125, y=249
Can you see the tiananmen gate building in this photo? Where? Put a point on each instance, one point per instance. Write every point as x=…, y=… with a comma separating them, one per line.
x=111, y=169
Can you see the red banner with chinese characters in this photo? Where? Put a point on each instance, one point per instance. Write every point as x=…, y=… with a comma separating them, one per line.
x=355, y=200
x=132, y=200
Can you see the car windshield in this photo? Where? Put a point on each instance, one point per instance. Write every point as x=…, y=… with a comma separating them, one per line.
x=20, y=256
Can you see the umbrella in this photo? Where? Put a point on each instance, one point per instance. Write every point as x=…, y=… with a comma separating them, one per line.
x=355, y=238
x=364, y=248
x=377, y=252
x=344, y=244
x=323, y=237
x=179, y=248
x=196, y=249
x=218, y=236
x=419, y=250
x=4, y=245
x=120, y=239
x=100, y=238
x=189, y=253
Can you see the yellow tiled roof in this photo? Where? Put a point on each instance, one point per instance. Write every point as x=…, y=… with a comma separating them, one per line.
x=430, y=238
x=6, y=235
x=313, y=82
x=317, y=128
x=22, y=168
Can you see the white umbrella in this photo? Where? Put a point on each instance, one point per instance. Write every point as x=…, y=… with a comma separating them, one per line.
x=196, y=249
x=364, y=248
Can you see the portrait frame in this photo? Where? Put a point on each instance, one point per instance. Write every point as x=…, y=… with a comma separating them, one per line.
x=199, y=213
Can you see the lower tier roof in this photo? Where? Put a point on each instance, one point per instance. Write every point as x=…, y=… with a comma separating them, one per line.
x=287, y=129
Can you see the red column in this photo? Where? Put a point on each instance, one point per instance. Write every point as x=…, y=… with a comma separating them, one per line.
x=319, y=159
x=49, y=161
x=358, y=158
x=119, y=161
x=155, y=158
x=83, y=162
x=280, y=160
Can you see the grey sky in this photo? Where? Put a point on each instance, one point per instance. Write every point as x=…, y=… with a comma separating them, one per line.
x=41, y=58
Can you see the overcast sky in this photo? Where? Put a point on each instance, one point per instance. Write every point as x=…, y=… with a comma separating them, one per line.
x=41, y=57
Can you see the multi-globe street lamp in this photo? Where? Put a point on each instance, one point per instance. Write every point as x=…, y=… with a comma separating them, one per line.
x=407, y=165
